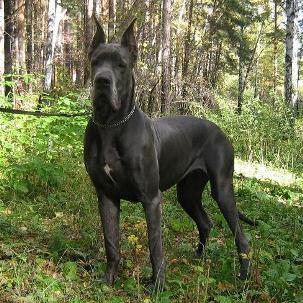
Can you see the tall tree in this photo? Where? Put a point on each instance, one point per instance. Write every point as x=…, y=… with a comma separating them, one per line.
x=187, y=48
x=97, y=8
x=29, y=34
x=111, y=19
x=20, y=35
x=275, y=74
x=40, y=13
x=291, y=55
x=55, y=14
x=1, y=45
x=246, y=60
x=242, y=58
x=166, y=60
x=68, y=43
x=8, y=44
x=88, y=10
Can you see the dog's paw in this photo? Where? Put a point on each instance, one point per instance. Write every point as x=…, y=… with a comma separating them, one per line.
x=153, y=286
x=108, y=278
x=199, y=251
x=243, y=275
x=245, y=270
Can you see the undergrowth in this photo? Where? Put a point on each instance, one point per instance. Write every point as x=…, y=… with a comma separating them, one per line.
x=51, y=247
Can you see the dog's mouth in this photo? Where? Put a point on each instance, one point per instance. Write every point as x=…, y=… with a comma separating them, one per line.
x=104, y=92
x=104, y=104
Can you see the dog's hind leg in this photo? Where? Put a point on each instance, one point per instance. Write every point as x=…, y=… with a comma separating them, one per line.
x=189, y=192
x=223, y=192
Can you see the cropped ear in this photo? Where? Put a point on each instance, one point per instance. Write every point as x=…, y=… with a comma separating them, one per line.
x=128, y=40
x=99, y=38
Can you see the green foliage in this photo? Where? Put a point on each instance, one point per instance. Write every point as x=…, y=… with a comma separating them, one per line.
x=70, y=271
x=31, y=149
x=263, y=133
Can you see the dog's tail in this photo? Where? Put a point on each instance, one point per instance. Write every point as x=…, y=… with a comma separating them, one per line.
x=243, y=218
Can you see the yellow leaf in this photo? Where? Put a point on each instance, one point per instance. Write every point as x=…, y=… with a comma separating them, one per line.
x=6, y=211
x=223, y=286
x=132, y=239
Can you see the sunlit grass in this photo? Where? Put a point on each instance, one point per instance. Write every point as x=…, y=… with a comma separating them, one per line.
x=266, y=173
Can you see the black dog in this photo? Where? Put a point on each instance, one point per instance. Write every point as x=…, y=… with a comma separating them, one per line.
x=129, y=156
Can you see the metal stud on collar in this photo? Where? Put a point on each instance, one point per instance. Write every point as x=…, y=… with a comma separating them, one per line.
x=118, y=123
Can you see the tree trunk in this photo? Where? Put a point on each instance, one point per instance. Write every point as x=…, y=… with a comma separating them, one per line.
x=111, y=19
x=29, y=34
x=50, y=45
x=39, y=36
x=68, y=47
x=256, y=80
x=243, y=74
x=216, y=65
x=1, y=45
x=88, y=34
x=275, y=74
x=291, y=55
x=241, y=79
x=165, y=79
x=78, y=53
x=187, y=49
x=8, y=43
x=55, y=14
x=97, y=8
x=178, y=50
x=20, y=36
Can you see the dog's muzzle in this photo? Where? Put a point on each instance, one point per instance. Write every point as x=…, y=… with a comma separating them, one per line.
x=104, y=90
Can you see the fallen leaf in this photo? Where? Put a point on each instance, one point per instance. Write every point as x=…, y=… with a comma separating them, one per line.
x=224, y=286
x=6, y=211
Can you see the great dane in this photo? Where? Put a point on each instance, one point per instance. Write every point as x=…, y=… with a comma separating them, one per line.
x=132, y=157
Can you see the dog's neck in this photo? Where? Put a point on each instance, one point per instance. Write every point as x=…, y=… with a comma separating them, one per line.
x=111, y=119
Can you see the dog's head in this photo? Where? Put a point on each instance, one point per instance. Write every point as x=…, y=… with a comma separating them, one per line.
x=111, y=70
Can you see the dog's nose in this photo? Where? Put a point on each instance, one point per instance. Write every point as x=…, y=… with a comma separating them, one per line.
x=102, y=81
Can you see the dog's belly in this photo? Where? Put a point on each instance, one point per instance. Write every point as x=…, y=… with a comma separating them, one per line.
x=180, y=145
x=173, y=172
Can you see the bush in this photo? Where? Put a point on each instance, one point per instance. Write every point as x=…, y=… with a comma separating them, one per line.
x=36, y=153
x=262, y=133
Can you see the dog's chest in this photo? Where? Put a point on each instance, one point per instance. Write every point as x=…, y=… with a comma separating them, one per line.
x=110, y=165
x=114, y=175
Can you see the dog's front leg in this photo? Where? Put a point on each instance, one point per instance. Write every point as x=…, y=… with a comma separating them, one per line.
x=110, y=213
x=152, y=209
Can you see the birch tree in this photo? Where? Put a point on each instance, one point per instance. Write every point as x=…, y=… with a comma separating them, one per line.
x=88, y=10
x=291, y=54
x=55, y=15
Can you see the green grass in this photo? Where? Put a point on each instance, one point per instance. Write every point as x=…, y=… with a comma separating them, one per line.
x=51, y=248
